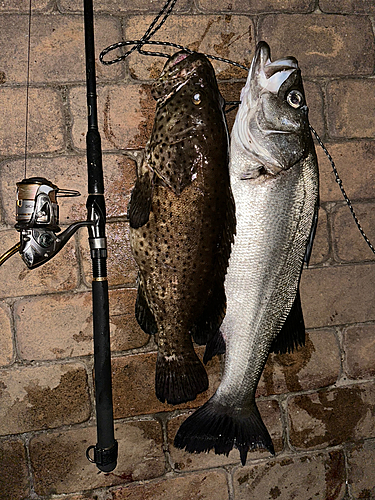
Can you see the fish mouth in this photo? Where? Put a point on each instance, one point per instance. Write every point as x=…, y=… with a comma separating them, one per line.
x=270, y=75
x=177, y=72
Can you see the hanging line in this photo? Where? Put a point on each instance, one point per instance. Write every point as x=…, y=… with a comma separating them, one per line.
x=339, y=182
x=27, y=88
x=157, y=23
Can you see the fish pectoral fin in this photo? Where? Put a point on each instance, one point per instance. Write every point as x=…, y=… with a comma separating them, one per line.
x=312, y=235
x=292, y=333
x=141, y=200
x=216, y=427
x=143, y=313
x=179, y=378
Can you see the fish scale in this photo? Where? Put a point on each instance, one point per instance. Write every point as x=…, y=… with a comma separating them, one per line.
x=274, y=180
x=181, y=225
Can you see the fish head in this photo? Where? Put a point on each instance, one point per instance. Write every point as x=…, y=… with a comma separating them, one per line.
x=272, y=126
x=189, y=112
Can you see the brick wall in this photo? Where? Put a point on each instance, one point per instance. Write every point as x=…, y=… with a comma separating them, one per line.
x=318, y=403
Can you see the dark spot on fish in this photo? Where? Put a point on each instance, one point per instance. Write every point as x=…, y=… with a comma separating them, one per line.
x=275, y=492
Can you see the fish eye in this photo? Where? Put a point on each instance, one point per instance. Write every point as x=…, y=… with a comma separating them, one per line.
x=295, y=99
x=197, y=99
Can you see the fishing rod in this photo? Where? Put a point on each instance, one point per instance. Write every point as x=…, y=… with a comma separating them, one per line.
x=37, y=216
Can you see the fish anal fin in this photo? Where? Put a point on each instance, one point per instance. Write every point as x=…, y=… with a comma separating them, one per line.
x=209, y=322
x=143, y=313
x=292, y=333
x=179, y=379
x=214, y=347
x=141, y=200
x=214, y=427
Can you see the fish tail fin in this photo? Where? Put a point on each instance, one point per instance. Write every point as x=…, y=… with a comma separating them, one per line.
x=179, y=379
x=215, y=427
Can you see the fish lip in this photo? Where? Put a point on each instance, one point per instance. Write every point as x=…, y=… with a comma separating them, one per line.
x=269, y=74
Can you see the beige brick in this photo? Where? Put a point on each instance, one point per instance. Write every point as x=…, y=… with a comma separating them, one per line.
x=359, y=351
x=315, y=365
x=350, y=114
x=337, y=295
x=332, y=416
x=60, y=326
x=70, y=172
x=185, y=461
x=6, y=337
x=256, y=7
x=202, y=486
x=40, y=397
x=63, y=454
x=24, y=5
x=125, y=331
x=45, y=122
x=54, y=326
x=57, y=275
x=118, y=6
x=14, y=481
x=361, y=470
x=230, y=37
x=354, y=161
x=347, y=6
x=125, y=116
x=57, y=48
x=325, y=45
x=122, y=269
x=303, y=477
x=349, y=245
x=134, y=386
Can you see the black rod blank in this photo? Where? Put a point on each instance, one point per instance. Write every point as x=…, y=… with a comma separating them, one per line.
x=106, y=450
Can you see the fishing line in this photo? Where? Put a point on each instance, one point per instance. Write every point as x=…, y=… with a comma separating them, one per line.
x=137, y=45
x=27, y=88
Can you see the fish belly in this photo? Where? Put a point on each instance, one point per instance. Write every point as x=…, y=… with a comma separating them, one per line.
x=274, y=219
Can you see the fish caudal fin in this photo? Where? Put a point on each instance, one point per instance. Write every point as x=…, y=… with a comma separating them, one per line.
x=179, y=378
x=215, y=427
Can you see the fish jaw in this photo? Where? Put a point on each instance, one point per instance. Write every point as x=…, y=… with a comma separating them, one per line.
x=271, y=128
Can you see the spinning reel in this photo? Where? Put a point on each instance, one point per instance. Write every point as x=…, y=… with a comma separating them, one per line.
x=37, y=216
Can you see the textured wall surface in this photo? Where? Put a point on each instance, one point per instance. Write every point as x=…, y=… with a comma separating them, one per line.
x=318, y=403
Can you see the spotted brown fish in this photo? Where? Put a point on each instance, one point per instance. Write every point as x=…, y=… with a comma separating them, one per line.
x=182, y=223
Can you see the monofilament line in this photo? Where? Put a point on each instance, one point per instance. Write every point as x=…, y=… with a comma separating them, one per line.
x=346, y=198
x=27, y=88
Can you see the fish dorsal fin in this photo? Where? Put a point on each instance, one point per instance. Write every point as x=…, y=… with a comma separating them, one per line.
x=292, y=334
x=141, y=200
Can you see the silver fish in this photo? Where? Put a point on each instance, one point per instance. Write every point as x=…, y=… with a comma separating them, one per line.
x=274, y=180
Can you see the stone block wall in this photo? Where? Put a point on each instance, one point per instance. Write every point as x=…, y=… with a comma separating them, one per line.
x=318, y=403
